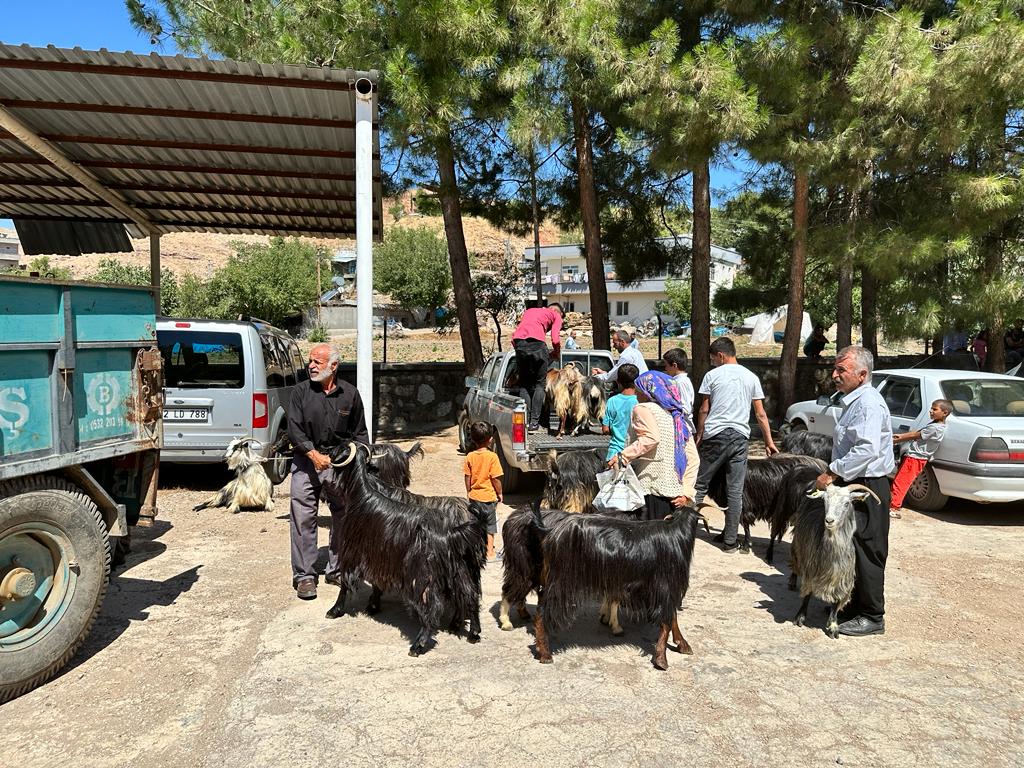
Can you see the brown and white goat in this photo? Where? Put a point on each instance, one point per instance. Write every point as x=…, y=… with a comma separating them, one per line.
x=565, y=394
x=251, y=488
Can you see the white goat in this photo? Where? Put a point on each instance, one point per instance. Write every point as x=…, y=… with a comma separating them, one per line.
x=822, y=553
x=251, y=488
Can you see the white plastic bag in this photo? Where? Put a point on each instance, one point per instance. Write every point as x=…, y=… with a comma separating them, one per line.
x=621, y=491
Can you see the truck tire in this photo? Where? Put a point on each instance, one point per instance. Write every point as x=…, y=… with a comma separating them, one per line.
x=278, y=465
x=511, y=477
x=54, y=548
x=463, y=422
x=924, y=493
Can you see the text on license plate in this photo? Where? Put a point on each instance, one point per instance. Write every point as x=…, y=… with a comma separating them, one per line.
x=186, y=414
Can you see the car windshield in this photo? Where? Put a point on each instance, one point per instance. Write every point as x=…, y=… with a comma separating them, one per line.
x=986, y=397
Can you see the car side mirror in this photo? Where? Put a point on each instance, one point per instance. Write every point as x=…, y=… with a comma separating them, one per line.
x=472, y=382
x=824, y=400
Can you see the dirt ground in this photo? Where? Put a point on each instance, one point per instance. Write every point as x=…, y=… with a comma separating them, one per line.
x=203, y=656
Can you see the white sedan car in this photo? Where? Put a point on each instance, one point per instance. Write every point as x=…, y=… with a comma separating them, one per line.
x=982, y=455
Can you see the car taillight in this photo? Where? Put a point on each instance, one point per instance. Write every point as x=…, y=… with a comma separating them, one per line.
x=183, y=325
x=994, y=449
x=518, y=429
x=260, y=411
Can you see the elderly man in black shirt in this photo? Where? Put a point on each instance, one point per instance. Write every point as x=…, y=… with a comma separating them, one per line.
x=322, y=412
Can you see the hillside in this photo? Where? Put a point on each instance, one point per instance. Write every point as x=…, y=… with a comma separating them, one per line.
x=203, y=253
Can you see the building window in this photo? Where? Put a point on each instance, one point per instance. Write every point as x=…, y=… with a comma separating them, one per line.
x=621, y=308
x=570, y=306
x=572, y=270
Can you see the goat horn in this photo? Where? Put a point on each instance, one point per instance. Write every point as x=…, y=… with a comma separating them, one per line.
x=348, y=459
x=868, y=491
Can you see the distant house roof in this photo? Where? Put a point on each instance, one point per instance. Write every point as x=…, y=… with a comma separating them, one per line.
x=186, y=144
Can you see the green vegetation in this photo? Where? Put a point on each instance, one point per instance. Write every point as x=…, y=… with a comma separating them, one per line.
x=412, y=266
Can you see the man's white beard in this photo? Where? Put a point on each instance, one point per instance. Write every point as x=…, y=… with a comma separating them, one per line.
x=323, y=376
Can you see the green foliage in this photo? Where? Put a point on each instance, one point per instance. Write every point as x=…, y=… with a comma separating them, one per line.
x=680, y=298
x=412, y=266
x=42, y=265
x=500, y=293
x=273, y=282
x=426, y=204
x=317, y=334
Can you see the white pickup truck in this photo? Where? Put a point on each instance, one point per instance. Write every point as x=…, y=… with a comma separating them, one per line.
x=490, y=400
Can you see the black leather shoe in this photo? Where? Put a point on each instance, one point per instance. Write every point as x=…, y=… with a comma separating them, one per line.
x=306, y=588
x=730, y=548
x=333, y=579
x=861, y=626
x=718, y=538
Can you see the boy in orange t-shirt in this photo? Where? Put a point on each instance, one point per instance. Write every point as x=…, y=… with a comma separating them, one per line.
x=483, y=479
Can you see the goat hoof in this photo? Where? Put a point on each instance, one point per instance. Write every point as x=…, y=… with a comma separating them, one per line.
x=799, y=620
x=660, y=662
x=335, y=613
x=415, y=651
x=372, y=610
x=546, y=660
x=507, y=626
x=603, y=618
x=473, y=637
x=618, y=632
x=684, y=648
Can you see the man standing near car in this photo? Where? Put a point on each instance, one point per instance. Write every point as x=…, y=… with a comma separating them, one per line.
x=862, y=453
x=322, y=412
x=622, y=342
x=532, y=355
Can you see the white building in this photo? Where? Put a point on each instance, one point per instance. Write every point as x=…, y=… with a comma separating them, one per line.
x=8, y=250
x=565, y=280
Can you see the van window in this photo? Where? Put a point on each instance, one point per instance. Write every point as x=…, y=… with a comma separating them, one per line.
x=301, y=373
x=286, y=361
x=275, y=371
x=202, y=359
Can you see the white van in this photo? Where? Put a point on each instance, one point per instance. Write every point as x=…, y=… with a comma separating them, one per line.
x=225, y=379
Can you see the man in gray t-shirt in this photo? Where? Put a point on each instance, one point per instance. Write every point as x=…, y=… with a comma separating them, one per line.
x=723, y=431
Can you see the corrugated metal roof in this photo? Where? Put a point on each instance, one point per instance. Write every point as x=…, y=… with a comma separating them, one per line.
x=193, y=144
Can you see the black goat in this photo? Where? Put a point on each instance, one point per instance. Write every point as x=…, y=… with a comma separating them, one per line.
x=390, y=463
x=643, y=565
x=804, y=443
x=763, y=482
x=791, y=496
x=407, y=548
x=571, y=483
x=522, y=535
x=451, y=510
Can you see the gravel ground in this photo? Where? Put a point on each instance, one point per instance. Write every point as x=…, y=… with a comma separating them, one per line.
x=203, y=656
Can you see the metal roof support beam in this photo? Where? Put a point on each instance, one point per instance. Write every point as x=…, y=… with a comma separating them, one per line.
x=154, y=269
x=61, y=162
x=364, y=248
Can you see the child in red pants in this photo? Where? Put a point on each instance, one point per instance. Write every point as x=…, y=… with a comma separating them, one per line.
x=923, y=444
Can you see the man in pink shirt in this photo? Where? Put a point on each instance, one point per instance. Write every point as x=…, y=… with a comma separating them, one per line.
x=532, y=355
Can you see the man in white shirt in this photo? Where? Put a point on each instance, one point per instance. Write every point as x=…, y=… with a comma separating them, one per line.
x=723, y=431
x=627, y=354
x=862, y=453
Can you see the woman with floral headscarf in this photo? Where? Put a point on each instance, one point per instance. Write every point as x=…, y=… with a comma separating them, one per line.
x=661, y=448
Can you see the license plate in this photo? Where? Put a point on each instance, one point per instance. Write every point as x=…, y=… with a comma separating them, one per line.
x=187, y=414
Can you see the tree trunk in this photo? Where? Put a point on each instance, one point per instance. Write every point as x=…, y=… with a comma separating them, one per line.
x=497, y=325
x=536, y=225
x=700, y=276
x=844, y=303
x=992, y=271
x=868, y=311
x=458, y=258
x=795, y=304
x=591, y=226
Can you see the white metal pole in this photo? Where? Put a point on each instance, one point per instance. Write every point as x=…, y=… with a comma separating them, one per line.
x=364, y=247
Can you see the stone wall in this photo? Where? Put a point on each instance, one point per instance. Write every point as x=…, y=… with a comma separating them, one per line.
x=416, y=398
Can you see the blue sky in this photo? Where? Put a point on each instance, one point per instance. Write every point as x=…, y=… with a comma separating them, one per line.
x=94, y=24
